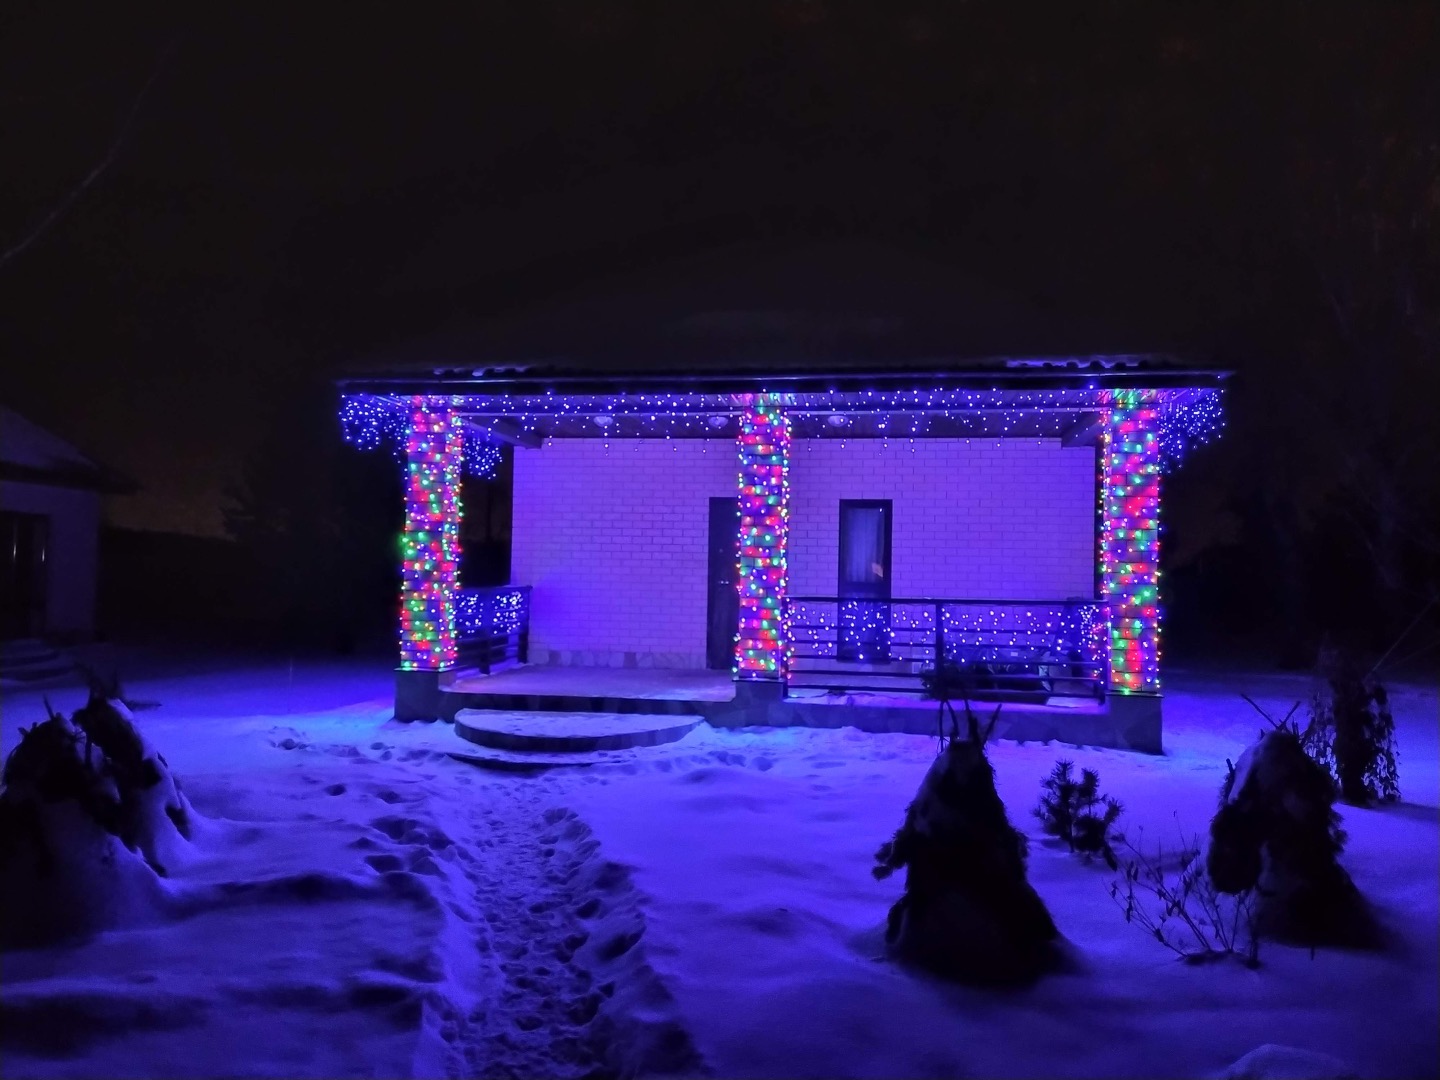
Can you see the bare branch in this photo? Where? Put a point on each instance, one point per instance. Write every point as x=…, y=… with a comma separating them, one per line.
x=73, y=195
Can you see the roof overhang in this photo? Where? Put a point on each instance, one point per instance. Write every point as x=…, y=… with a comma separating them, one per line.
x=1046, y=398
x=96, y=479
x=1126, y=371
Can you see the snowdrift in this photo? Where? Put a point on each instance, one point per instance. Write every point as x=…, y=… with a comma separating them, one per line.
x=91, y=820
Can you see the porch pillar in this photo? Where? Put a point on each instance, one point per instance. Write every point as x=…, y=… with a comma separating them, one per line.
x=430, y=556
x=1130, y=540
x=763, y=642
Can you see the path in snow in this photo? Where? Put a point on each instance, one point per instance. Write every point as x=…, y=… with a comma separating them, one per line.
x=359, y=904
x=559, y=986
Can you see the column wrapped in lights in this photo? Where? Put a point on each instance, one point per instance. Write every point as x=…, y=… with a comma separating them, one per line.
x=1130, y=456
x=430, y=544
x=764, y=443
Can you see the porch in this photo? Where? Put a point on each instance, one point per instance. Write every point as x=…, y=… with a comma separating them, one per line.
x=715, y=697
x=640, y=565
x=1043, y=663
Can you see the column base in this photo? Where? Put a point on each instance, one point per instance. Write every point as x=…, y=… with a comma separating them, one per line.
x=417, y=694
x=1136, y=721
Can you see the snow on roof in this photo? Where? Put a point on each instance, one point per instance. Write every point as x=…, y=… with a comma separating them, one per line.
x=29, y=452
x=24, y=443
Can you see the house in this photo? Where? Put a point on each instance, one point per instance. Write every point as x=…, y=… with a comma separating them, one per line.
x=49, y=527
x=816, y=535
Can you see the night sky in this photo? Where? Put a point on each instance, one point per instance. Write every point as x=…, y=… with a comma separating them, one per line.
x=307, y=184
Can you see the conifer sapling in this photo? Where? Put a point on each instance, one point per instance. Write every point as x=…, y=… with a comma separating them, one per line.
x=1076, y=812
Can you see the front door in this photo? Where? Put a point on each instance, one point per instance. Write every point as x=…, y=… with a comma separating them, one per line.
x=23, y=565
x=723, y=610
x=864, y=583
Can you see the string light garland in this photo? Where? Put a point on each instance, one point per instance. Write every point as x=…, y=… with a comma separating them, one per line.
x=490, y=612
x=1189, y=416
x=369, y=421
x=430, y=544
x=1182, y=428
x=1130, y=456
x=764, y=445
x=972, y=631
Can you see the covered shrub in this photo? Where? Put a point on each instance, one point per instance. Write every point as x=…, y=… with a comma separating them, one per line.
x=968, y=911
x=1277, y=833
x=90, y=820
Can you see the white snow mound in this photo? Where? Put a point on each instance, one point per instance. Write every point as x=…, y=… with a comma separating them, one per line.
x=1275, y=1062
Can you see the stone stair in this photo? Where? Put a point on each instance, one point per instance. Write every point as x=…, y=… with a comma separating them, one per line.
x=30, y=662
x=533, y=742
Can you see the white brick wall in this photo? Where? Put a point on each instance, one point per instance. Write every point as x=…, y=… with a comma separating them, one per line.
x=74, y=528
x=992, y=519
x=614, y=541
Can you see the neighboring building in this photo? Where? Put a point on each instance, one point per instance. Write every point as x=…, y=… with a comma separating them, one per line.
x=815, y=528
x=49, y=529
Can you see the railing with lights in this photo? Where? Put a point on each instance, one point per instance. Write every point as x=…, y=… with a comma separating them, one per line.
x=1016, y=649
x=493, y=626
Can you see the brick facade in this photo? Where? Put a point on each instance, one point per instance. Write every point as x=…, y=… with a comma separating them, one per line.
x=613, y=542
x=993, y=519
x=613, y=538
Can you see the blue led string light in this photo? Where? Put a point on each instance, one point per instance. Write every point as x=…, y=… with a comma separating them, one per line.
x=369, y=421
x=1187, y=417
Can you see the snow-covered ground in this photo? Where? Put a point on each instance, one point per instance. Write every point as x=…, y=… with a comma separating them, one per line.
x=360, y=904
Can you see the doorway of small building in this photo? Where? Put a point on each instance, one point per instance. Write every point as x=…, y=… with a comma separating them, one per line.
x=863, y=586
x=722, y=580
x=23, y=566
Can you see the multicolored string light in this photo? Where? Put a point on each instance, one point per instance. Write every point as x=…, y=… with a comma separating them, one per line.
x=1130, y=455
x=764, y=444
x=430, y=544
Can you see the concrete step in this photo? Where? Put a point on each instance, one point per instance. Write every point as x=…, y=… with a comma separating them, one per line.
x=463, y=699
x=568, y=733
x=524, y=764
x=24, y=649
x=30, y=661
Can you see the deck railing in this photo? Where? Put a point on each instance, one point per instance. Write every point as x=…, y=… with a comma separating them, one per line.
x=493, y=626
x=1008, y=649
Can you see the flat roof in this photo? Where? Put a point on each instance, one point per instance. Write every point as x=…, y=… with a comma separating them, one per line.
x=1095, y=372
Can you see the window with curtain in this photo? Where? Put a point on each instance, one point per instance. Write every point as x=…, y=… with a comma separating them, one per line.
x=864, y=547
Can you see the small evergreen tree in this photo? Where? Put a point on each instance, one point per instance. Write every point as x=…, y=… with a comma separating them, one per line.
x=1076, y=812
x=1352, y=732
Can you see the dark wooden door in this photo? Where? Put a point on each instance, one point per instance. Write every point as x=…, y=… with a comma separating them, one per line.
x=23, y=565
x=723, y=609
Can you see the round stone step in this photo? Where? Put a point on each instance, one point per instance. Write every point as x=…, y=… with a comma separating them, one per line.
x=567, y=732
x=515, y=761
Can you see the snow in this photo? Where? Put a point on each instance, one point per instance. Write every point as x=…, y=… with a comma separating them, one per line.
x=1271, y=1062
x=358, y=903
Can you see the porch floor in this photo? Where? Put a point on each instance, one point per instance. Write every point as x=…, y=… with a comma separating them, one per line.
x=553, y=690
x=914, y=701
x=650, y=684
